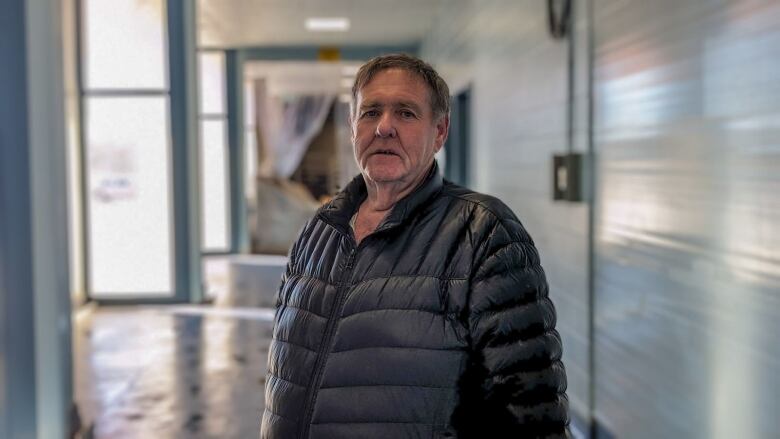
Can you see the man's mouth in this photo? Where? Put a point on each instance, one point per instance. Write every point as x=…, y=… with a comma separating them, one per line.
x=385, y=152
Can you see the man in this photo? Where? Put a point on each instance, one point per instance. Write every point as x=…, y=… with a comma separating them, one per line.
x=412, y=307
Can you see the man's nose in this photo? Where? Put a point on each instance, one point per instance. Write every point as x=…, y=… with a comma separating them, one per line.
x=385, y=127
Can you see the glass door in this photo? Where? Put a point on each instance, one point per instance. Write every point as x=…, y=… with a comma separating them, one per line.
x=127, y=149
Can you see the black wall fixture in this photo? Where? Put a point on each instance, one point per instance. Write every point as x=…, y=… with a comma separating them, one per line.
x=558, y=17
x=567, y=177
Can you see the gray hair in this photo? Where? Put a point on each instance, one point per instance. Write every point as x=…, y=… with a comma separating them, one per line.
x=439, y=91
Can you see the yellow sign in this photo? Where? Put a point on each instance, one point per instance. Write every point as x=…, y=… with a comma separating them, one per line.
x=329, y=54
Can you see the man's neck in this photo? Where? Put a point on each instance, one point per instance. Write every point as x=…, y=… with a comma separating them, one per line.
x=379, y=202
x=383, y=196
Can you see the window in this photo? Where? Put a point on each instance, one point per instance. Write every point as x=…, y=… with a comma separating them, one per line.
x=214, y=172
x=127, y=148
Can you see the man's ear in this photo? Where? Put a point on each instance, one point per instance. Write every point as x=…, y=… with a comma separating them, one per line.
x=442, y=131
x=350, y=120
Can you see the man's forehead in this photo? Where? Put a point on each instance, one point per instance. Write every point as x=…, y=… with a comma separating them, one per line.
x=393, y=102
x=397, y=72
x=401, y=87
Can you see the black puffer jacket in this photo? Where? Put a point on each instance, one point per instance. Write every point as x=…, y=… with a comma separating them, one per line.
x=437, y=325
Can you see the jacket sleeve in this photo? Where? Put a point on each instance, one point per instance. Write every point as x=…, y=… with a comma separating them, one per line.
x=288, y=269
x=292, y=259
x=518, y=380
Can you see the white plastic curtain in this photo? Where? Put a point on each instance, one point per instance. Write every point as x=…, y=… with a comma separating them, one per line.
x=286, y=127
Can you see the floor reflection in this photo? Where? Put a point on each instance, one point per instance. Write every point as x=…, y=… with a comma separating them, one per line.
x=171, y=371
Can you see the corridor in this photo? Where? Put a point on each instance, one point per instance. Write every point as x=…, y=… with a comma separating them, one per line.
x=159, y=158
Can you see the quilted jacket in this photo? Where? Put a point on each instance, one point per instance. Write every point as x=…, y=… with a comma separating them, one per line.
x=438, y=324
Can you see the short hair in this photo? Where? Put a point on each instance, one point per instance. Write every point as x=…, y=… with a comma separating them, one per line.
x=439, y=92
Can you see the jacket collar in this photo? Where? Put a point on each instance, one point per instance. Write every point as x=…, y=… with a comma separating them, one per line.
x=340, y=209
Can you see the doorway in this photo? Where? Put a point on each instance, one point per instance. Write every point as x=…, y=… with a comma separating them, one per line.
x=457, y=147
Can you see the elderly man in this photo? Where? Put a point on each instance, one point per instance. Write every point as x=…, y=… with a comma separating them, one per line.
x=412, y=307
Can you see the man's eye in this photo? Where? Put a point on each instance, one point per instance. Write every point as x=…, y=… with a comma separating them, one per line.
x=407, y=114
x=370, y=113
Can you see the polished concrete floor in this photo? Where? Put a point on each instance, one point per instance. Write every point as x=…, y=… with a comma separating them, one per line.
x=171, y=371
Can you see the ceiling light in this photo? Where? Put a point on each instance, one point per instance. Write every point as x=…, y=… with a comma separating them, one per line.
x=327, y=24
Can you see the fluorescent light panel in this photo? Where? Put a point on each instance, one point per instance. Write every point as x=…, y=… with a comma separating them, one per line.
x=327, y=24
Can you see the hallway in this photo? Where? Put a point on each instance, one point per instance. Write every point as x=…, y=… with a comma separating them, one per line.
x=141, y=140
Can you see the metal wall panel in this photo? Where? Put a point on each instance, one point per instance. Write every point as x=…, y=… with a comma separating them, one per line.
x=687, y=135
x=35, y=366
x=18, y=414
x=518, y=75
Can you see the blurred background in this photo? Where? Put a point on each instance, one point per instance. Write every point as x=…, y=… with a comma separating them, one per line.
x=158, y=157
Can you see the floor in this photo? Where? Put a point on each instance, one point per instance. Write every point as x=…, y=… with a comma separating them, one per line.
x=176, y=371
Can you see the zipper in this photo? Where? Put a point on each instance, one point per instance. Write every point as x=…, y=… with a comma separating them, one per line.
x=319, y=366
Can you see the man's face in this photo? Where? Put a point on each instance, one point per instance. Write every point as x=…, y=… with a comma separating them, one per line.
x=394, y=131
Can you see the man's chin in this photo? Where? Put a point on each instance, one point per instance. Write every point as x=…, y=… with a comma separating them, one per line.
x=383, y=175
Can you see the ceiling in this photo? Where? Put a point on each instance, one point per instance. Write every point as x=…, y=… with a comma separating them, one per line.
x=247, y=23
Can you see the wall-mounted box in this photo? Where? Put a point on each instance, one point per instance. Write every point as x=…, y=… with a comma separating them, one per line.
x=567, y=177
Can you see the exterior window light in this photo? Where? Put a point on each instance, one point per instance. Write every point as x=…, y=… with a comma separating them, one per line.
x=350, y=70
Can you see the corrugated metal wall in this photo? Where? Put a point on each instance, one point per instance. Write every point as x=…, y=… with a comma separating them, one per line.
x=518, y=75
x=687, y=135
x=687, y=161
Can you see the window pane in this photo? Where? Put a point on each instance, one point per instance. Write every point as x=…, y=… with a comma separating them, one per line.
x=129, y=196
x=250, y=141
x=212, y=82
x=250, y=163
x=249, y=103
x=124, y=44
x=214, y=172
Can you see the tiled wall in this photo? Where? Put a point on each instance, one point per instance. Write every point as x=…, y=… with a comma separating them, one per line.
x=517, y=73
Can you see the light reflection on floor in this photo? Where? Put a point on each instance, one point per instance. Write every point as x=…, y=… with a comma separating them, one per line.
x=171, y=371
